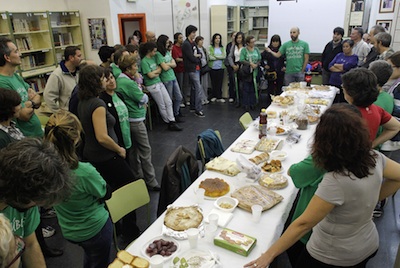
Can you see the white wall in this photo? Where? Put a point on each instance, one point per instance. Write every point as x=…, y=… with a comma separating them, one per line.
x=315, y=18
x=39, y=5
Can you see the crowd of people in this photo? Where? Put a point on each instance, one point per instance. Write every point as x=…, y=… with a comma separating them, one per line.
x=96, y=141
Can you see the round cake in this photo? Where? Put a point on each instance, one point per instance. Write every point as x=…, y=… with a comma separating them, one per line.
x=214, y=187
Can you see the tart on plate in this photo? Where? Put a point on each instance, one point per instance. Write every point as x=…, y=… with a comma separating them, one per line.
x=214, y=187
x=183, y=218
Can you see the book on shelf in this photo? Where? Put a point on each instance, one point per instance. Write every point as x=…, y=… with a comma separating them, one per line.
x=63, y=39
x=38, y=84
x=33, y=60
x=24, y=43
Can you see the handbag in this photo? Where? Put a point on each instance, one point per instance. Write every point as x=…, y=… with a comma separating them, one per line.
x=263, y=84
x=271, y=76
x=245, y=72
x=205, y=69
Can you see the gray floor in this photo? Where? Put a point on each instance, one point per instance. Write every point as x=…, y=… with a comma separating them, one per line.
x=223, y=117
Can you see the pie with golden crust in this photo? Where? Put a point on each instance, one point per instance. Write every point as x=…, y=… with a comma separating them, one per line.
x=215, y=187
x=273, y=181
x=183, y=218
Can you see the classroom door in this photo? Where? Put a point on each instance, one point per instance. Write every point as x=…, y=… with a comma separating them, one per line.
x=128, y=23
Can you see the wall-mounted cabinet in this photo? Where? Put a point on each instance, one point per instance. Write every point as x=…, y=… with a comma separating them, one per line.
x=41, y=38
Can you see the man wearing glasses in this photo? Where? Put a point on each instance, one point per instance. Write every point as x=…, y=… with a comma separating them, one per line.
x=32, y=173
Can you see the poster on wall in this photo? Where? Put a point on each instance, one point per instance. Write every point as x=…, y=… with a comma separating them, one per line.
x=387, y=6
x=387, y=24
x=184, y=13
x=98, y=35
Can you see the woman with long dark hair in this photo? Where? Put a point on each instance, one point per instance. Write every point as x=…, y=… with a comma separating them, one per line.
x=217, y=56
x=274, y=67
x=101, y=143
x=340, y=212
x=234, y=62
x=167, y=75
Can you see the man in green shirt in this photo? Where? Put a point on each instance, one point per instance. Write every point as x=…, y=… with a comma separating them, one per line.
x=10, y=59
x=297, y=56
x=32, y=173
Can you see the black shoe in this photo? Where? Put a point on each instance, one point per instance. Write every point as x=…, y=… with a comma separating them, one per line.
x=174, y=127
x=178, y=119
x=155, y=188
x=199, y=114
x=180, y=114
x=237, y=105
x=52, y=252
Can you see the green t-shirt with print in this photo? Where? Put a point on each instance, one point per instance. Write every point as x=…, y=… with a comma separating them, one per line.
x=149, y=65
x=132, y=95
x=82, y=216
x=123, y=116
x=31, y=128
x=251, y=56
x=169, y=75
x=23, y=223
x=294, y=52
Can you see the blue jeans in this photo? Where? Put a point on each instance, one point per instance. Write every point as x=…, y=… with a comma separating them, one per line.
x=295, y=77
x=97, y=249
x=195, y=91
x=175, y=94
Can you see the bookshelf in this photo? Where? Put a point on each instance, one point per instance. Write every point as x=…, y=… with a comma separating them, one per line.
x=65, y=31
x=41, y=38
x=258, y=20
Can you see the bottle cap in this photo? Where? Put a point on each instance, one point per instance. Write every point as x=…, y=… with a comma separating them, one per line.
x=263, y=110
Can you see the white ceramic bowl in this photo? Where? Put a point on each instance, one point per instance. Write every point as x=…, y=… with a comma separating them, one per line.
x=278, y=155
x=229, y=201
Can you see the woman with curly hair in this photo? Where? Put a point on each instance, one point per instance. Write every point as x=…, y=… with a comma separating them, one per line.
x=340, y=212
x=83, y=218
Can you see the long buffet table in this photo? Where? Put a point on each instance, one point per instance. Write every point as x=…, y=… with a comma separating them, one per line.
x=267, y=230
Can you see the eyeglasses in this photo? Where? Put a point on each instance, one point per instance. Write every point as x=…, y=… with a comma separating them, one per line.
x=20, y=248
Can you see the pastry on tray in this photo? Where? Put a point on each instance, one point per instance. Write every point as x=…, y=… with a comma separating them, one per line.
x=267, y=145
x=224, y=166
x=273, y=181
x=214, y=187
x=244, y=146
x=256, y=195
x=273, y=166
x=125, y=259
x=183, y=218
x=258, y=159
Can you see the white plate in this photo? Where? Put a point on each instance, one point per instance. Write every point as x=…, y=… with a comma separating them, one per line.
x=231, y=188
x=285, y=132
x=197, y=258
x=166, y=238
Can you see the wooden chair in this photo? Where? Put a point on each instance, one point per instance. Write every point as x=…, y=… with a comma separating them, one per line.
x=127, y=199
x=202, y=151
x=245, y=120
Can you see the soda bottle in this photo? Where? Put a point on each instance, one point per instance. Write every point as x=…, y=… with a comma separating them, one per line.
x=263, y=124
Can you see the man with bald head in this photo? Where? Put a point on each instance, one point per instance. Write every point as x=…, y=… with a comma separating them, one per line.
x=360, y=48
x=151, y=36
x=297, y=55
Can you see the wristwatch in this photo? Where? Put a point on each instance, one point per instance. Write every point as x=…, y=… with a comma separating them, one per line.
x=33, y=104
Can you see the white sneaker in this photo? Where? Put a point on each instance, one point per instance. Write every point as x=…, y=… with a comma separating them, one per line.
x=231, y=100
x=213, y=99
x=182, y=105
x=205, y=102
x=221, y=100
x=187, y=103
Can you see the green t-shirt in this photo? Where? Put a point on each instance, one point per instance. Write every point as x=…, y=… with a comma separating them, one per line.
x=386, y=102
x=132, y=95
x=82, y=216
x=169, y=75
x=115, y=70
x=294, y=52
x=306, y=177
x=31, y=128
x=149, y=65
x=123, y=116
x=251, y=56
x=23, y=223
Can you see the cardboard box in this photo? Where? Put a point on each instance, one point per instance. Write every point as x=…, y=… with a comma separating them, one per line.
x=234, y=241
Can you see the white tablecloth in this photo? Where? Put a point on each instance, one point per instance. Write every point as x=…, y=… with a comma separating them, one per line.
x=270, y=227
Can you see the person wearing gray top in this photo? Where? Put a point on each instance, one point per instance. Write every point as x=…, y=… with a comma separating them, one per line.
x=340, y=212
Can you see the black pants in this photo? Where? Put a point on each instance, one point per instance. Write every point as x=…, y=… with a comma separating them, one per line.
x=306, y=260
x=217, y=76
x=117, y=173
x=231, y=79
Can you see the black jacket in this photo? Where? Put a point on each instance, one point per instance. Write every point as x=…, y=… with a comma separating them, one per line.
x=329, y=53
x=179, y=172
x=189, y=60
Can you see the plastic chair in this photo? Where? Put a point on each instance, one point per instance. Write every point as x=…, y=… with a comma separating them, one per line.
x=127, y=199
x=202, y=151
x=245, y=120
x=43, y=120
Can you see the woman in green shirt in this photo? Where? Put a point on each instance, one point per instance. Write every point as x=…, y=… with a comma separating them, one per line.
x=82, y=217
